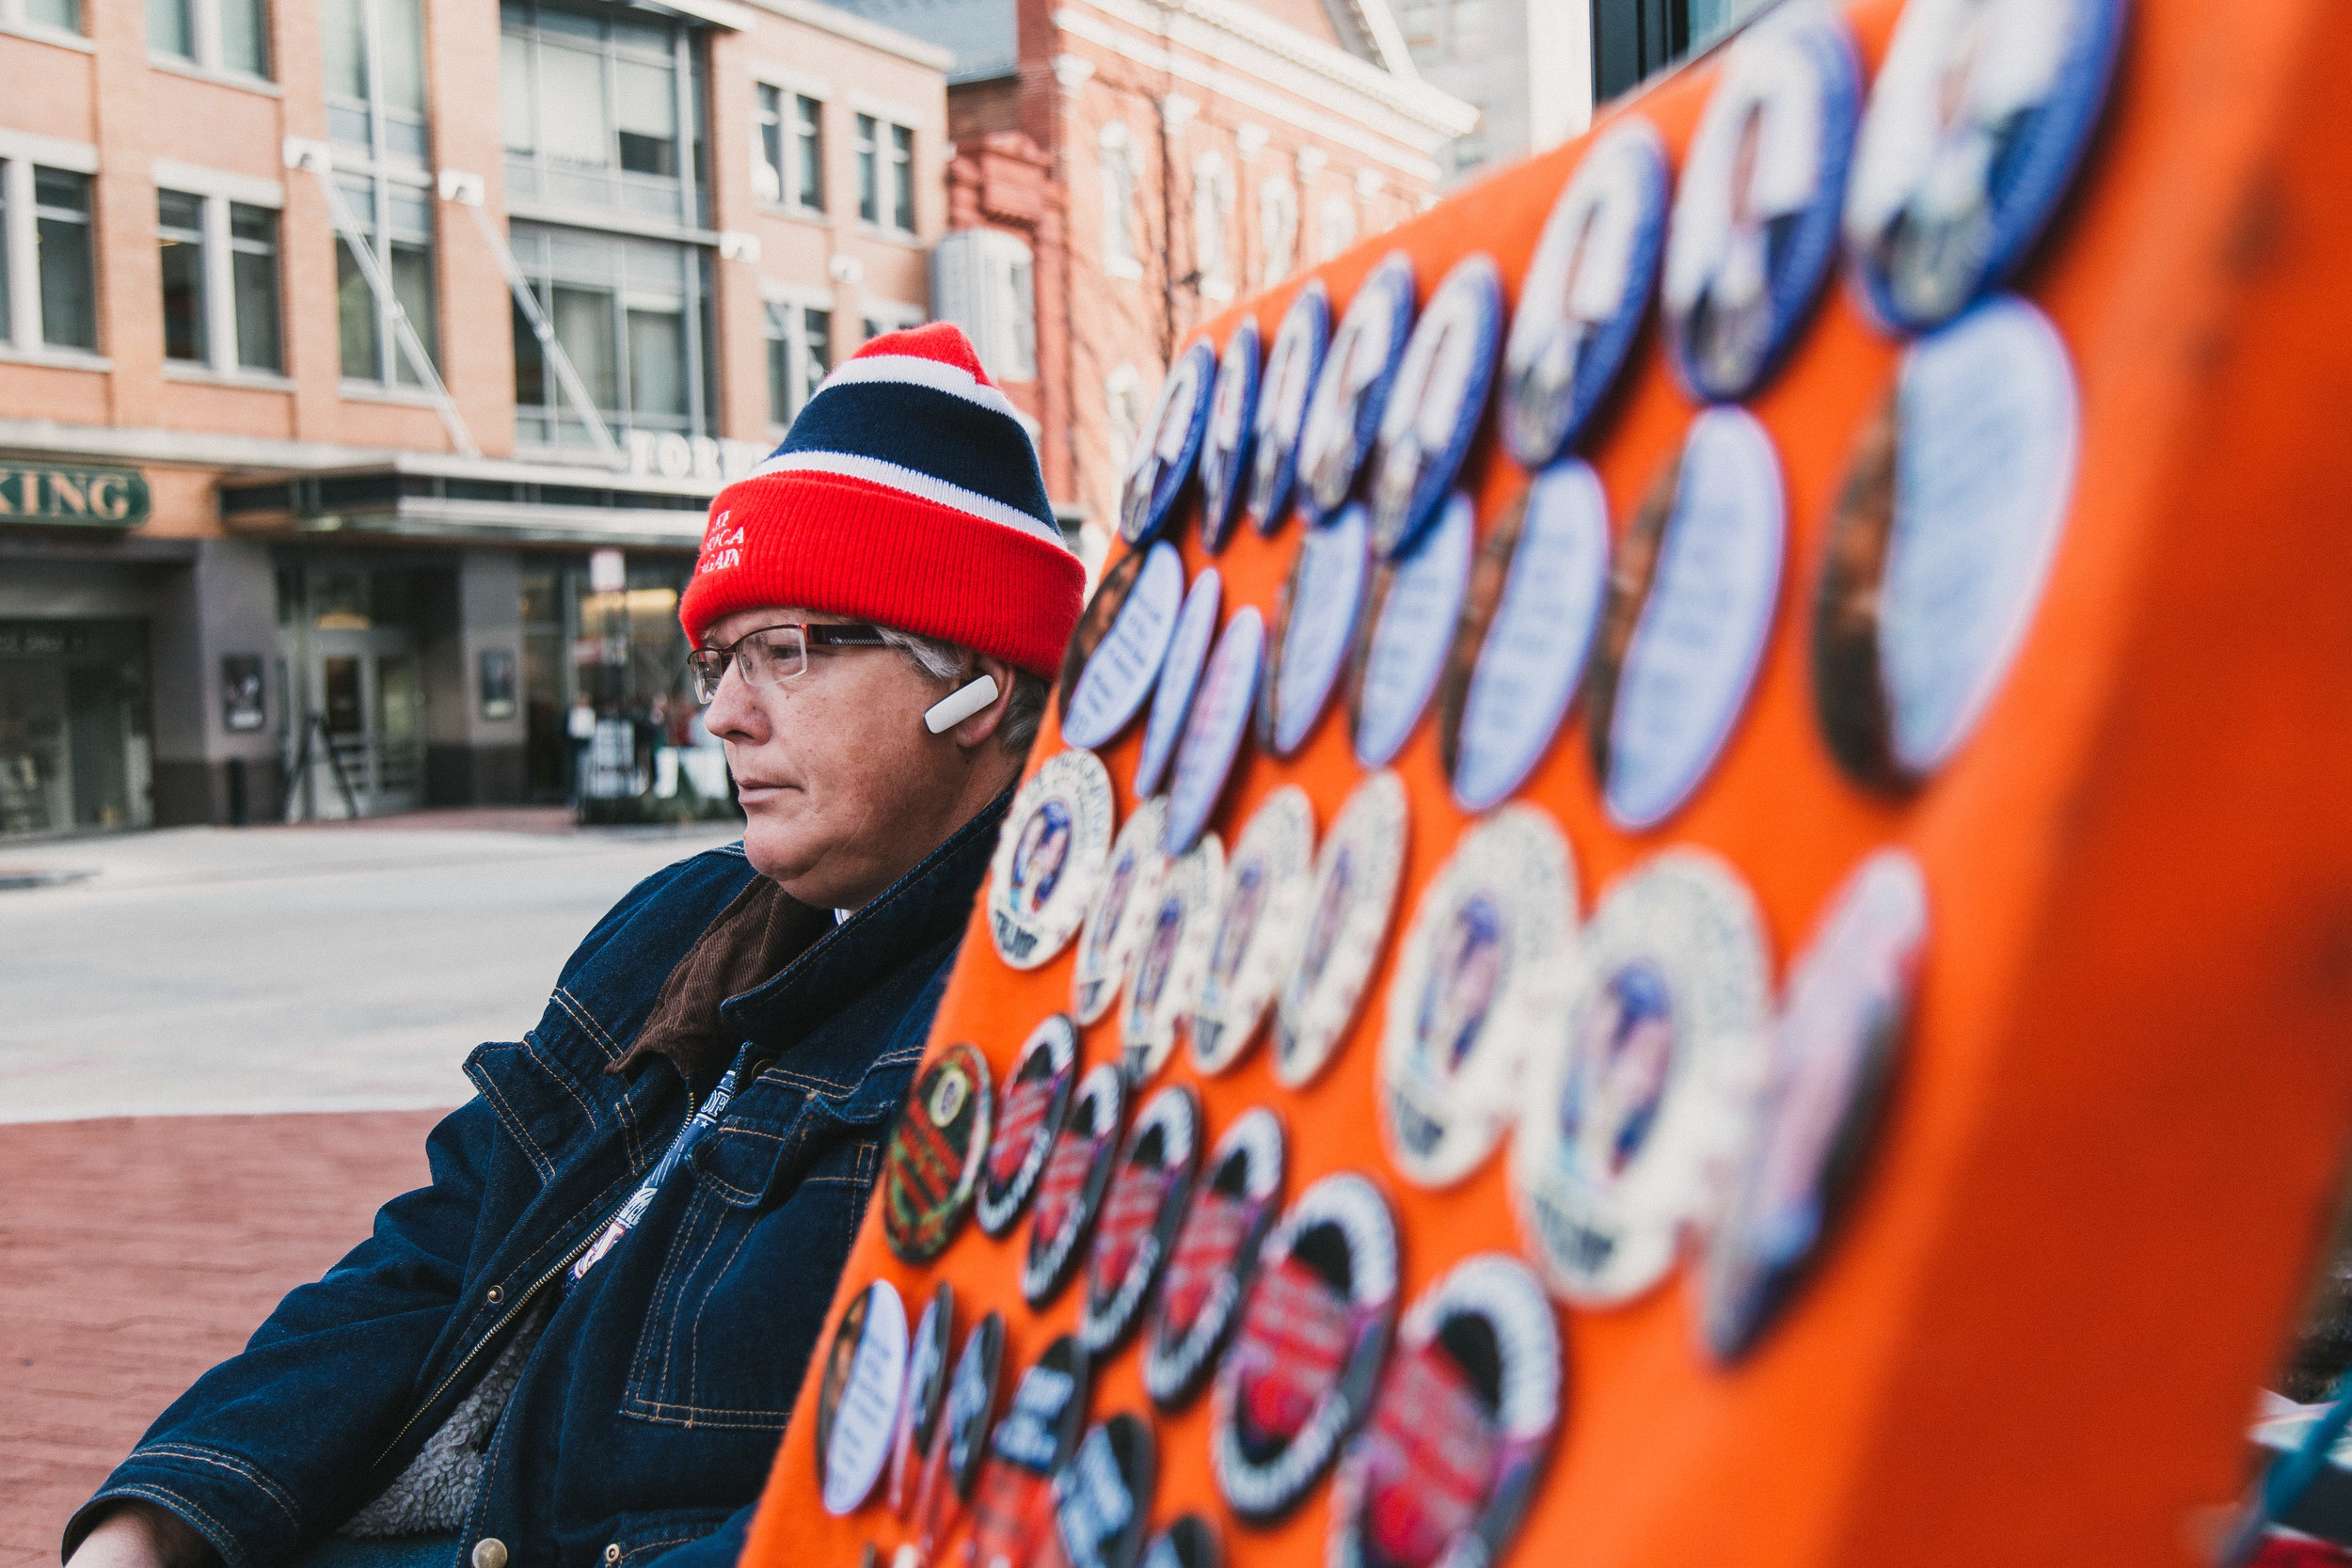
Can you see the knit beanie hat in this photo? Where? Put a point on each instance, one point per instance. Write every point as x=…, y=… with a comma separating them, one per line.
x=907, y=494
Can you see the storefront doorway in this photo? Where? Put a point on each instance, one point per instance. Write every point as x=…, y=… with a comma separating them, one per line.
x=76, y=753
x=354, y=744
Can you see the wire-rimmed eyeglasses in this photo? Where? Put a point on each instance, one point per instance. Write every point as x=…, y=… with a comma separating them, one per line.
x=773, y=655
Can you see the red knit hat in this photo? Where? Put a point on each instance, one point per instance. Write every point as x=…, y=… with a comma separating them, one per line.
x=907, y=494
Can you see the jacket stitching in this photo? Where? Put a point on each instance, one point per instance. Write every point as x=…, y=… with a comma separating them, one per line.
x=223, y=1541
x=686, y=1278
x=641, y=1368
x=221, y=1460
x=694, y=1334
x=662, y=1545
x=516, y=1127
x=549, y=1067
x=580, y=1013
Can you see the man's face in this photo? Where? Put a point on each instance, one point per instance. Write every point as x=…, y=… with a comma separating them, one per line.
x=843, y=788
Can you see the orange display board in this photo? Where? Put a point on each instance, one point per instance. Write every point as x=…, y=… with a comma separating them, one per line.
x=2115, y=1135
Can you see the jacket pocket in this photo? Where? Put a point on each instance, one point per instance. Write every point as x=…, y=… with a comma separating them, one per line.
x=750, y=1269
x=636, y=1539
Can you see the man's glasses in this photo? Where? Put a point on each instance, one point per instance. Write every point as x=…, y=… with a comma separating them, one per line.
x=773, y=655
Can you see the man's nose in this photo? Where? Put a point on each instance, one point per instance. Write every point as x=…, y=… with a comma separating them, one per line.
x=732, y=712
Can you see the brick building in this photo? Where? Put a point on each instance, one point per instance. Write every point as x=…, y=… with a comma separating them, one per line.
x=282, y=454
x=1123, y=168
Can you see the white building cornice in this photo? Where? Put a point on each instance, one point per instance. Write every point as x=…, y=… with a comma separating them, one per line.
x=1236, y=35
x=857, y=29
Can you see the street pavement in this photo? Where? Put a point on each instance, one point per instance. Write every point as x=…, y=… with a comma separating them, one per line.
x=221, y=1049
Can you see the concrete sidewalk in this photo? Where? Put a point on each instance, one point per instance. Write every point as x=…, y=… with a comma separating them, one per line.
x=136, y=1253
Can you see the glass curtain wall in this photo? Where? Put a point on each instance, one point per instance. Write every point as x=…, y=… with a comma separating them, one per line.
x=375, y=118
x=633, y=316
x=602, y=108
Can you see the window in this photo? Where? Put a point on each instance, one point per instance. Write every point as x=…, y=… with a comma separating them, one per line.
x=68, y=289
x=632, y=316
x=220, y=281
x=63, y=15
x=375, y=57
x=1211, y=205
x=788, y=170
x=1635, y=39
x=902, y=179
x=799, y=352
x=1278, y=230
x=1116, y=152
x=395, y=222
x=984, y=280
x=1122, y=408
x=868, y=174
x=218, y=35
x=179, y=228
x=1335, y=226
x=1418, y=21
x=600, y=109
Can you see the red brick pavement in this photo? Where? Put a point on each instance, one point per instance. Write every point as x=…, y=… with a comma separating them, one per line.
x=136, y=1252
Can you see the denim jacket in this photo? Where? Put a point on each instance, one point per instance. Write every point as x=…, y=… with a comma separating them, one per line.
x=647, y=1415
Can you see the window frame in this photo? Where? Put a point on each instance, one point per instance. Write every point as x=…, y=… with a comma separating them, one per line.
x=789, y=116
x=15, y=18
x=207, y=51
x=784, y=317
x=533, y=243
x=626, y=192
x=221, y=192
x=1115, y=153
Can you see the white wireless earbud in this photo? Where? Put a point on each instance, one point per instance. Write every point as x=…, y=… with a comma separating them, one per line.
x=959, y=704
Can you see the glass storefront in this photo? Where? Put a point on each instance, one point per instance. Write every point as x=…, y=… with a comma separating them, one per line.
x=604, y=676
x=75, y=752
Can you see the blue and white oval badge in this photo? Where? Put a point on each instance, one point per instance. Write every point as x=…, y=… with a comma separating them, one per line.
x=1171, y=957
x=1977, y=124
x=1225, y=448
x=1280, y=417
x=1119, y=673
x=1321, y=605
x=1590, y=281
x=1048, y=863
x=1756, y=222
x=1353, y=387
x=1167, y=445
x=1261, y=926
x=1434, y=409
x=1213, y=734
x=1353, y=894
x=1411, y=635
x=1180, y=676
x=1130, y=889
x=1526, y=643
x=1691, y=603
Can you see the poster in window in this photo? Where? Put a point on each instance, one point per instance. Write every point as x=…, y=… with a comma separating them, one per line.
x=241, y=704
x=497, y=683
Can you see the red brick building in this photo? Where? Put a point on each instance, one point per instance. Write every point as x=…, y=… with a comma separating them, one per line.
x=1123, y=168
x=281, y=453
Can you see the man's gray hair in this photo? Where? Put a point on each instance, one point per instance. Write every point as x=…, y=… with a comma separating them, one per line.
x=952, y=662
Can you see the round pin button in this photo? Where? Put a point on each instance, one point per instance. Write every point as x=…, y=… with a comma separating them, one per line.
x=1977, y=125
x=1180, y=677
x=1226, y=446
x=1640, y=1097
x=1322, y=603
x=1690, y=604
x=1261, y=926
x=1586, y=289
x=1352, y=388
x=1757, y=217
x=857, y=1400
x=1280, y=418
x=1412, y=631
x=1047, y=865
x=1129, y=891
x=933, y=1166
x=1137, y=1229
x=1167, y=445
x=1171, y=957
x=1035, y=1101
x=1215, y=1252
x=1070, y=1194
x=1348, y=907
x=1215, y=729
x=1435, y=405
x=1119, y=673
x=1534, y=597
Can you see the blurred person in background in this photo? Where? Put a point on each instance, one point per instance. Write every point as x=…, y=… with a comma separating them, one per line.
x=580, y=1345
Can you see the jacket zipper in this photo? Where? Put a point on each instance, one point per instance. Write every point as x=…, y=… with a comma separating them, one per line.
x=455, y=1373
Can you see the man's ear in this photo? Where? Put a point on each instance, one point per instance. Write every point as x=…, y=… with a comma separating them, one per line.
x=981, y=727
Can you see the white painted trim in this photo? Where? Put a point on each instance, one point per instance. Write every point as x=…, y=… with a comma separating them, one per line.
x=40, y=32
x=770, y=73
x=54, y=151
x=890, y=111
x=244, y=81
x=858, y=29
x=774, y=290
x=171, y=174
x=895, y=315
x=1234, y=32
x=1400, y=144
x=912, y=369
x=730, y=14
x=1386, y=39
x=874, y=470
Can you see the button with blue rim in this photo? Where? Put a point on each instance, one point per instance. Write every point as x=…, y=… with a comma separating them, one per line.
x=1756, y=221
x=1283, y=393
x=1587, y=287
x=1977, y=126
x=1133, y=637
x=1411, y=634
x=1434, y=408
x=1167, y=445
x=1225, y=445
x=1352, y=388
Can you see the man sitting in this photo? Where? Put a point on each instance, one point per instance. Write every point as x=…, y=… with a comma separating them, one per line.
x=579, y=1344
